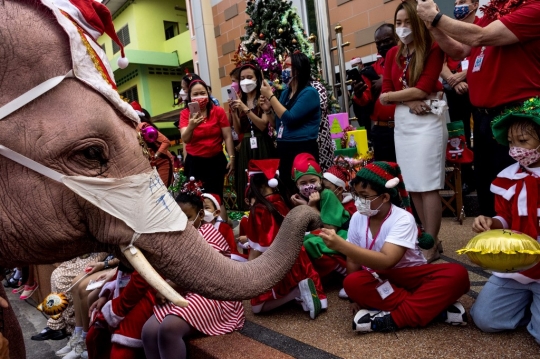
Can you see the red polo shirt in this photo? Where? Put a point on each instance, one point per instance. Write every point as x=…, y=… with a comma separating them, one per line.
x=508, y=73
x=207, y=139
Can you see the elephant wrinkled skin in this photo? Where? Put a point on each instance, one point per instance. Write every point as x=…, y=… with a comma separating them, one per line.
x=75, y=131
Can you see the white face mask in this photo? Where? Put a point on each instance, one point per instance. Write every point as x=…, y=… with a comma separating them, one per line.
x=405, y=34
x=209, y=216
x=364, y=207
x=157, y=210
x=183, y=95
x=248, y=85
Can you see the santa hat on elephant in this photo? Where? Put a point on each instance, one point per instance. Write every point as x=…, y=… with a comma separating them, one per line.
x=268, y=167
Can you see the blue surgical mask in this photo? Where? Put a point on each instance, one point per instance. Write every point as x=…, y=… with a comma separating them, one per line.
x=461, y=11
x=286, y=76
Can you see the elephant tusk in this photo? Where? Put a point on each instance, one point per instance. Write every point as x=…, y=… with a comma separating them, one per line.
x=145, y=269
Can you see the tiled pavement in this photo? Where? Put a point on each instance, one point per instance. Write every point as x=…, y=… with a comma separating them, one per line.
x=288, y=332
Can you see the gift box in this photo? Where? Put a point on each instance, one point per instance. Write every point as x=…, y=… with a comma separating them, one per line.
x=338, y=121
x=360, y=138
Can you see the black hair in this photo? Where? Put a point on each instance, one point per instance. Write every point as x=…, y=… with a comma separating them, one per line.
x=194, y=200
x=210, y=104
x=147, y=119
x=190, y=77
x=235, y=72
x=302, y=71
x=259, y=180
x=525, y=125
x=387, y=25
x=258, y=77
x=173, y=153
x=395, y=198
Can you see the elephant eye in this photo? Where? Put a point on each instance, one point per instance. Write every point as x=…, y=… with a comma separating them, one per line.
x=95, y=153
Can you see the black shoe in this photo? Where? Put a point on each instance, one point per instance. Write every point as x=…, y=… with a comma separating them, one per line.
x=12, y=283
x=50, y=334
x=373, y=321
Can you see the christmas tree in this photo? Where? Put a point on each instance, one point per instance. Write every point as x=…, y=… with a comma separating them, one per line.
x=273, y=31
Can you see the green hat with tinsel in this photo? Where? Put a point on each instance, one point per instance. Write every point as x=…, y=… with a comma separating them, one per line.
x=385, y=177
x=529, y=110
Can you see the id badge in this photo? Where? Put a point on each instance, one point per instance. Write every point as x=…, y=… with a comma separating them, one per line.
x=280, y=132
x=253, y=142
x=478, y=63
x=234, y=135
x=464, y=65
x=385, y=289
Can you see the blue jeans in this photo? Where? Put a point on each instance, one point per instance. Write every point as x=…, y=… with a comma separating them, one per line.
x=505, y=304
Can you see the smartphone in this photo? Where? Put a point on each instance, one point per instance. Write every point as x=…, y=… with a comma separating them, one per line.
x=232, y=94
x=194, y=107
x=354, y=75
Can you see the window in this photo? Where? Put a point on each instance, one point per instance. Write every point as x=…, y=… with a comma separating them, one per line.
x=311, y=18
x=176, y=88
x=123, y=35
x=131, y=94
x=171, y=29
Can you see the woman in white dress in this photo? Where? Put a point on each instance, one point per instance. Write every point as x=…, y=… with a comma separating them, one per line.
x=411, y=82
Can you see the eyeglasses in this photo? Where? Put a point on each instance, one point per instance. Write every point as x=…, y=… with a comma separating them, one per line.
x=364, y=199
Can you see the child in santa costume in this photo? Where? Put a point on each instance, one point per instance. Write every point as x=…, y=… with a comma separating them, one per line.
x=266, y=215
x=510, y=300
x=308, y=177
x=212, y=210
x=387, y=269
x=164, y=333
x=336, y=179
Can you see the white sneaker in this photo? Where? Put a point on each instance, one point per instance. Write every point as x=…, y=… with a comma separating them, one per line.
x=77, y=351
x=310, y=298
x=366, y=321
x=456, y=315
x=69, y=346
x=342, y=294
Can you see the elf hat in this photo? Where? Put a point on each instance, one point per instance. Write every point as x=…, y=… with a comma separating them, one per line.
x=269, y=167
x=216, y=199
x=386, y=177
x=338, y=175
x=529, y=110
x=356, y=60
x=305, y=164
x=84, y=21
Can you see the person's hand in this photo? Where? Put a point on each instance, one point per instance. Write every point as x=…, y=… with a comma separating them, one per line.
x=354, y=307
x=330, y=238
x=482, y=224
x=230, y=166
x=94, y=267
x=427, y=10
x=297, y=200
x=4, y=347
x=453, y=79
x=195, y=119
x=97, y=305
x=418, y=107
x=239, y=105
x=238, y=147
x=383, y=98
x=160, y=299
x=359, y=88
x=3, y=303
x=107, y=276
x=266, y=89
x=376, y=86
x=264, y=103
x=314, y=199
x=461, y=88
x=243, y=239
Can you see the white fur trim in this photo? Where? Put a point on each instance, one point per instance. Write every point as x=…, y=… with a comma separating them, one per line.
x=511, y=172
x=213, y=199
x=110, y=286
x=503, y=222
x=236, y=257
x=507, y=194
x=126, y=341
x=356, y=60
x=347, y=197
x=392, y=183
x=257, y=246
x=112, y=319
x=335, y=180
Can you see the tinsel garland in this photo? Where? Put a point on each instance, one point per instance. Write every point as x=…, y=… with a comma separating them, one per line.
x=531, y=107
x=495, y=9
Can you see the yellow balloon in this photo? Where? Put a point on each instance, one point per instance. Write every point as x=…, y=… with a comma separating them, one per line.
x=503, y=250
x=53, y=304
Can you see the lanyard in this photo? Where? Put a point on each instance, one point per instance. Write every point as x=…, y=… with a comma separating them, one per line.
x=376, y=235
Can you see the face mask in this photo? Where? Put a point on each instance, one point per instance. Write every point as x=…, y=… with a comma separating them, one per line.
x=525, y=156
x=364, y=207
x=404, y=34
x=286, y=76
x=461, y=12
x=383, y=49
x=208, y=216
x=202, y=100
x=195, y=220
x=307, y=189
x=235, y=87
x=183, y=95
x=248, y=85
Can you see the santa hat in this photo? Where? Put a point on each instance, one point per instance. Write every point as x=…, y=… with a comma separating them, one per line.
x=216, y=200
x=337, y=175
x=385, y=177
x=84, y=21
x=192, y=187
x=137, y=107
x=356, y=60
x=268, y=167
x=305, y=164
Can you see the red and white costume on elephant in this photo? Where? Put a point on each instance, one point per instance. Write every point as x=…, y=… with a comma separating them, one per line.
x=517, y=204
x=262, y=229
x=208, y=316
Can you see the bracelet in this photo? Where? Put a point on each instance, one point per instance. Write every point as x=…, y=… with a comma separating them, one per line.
x=436, y=19
x=268, y=112
x=231, y=156
x=271, y=97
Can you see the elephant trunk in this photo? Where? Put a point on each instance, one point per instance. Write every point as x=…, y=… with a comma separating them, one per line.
x=188, y=260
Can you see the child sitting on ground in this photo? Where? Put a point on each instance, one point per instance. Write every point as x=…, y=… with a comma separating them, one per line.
x=336, y=179
x=212, y=210
x=301, y=282
x=387, y=269
x=509, y=300
x=308, y=177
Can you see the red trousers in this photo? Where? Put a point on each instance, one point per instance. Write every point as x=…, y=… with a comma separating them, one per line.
x=420, y=292
x=329, y=263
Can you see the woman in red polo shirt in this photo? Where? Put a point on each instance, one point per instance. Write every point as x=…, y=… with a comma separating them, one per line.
x=410, y=81
x=203, y=134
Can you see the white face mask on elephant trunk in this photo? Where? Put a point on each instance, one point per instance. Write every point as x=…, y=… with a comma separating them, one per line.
x=141, y=201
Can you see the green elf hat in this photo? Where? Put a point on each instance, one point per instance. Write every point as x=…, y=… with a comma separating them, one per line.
x=385, y=177
x=500, y=125
x=305, y=164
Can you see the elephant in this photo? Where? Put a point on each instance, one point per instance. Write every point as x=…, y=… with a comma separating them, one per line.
x=77, y=131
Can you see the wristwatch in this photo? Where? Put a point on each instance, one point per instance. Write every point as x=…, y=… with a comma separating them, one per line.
x=106, y=264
